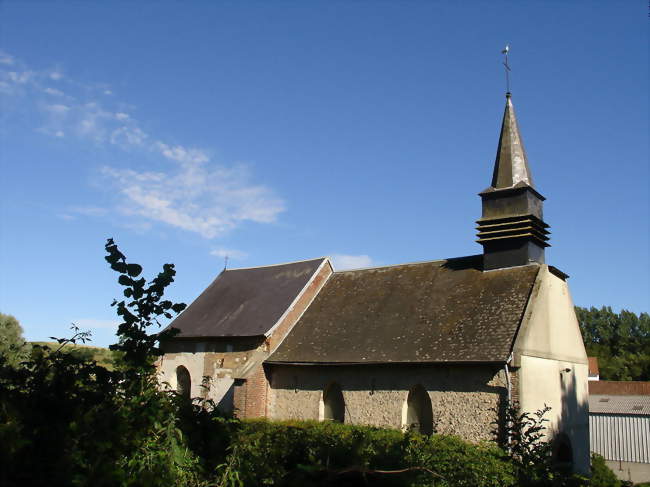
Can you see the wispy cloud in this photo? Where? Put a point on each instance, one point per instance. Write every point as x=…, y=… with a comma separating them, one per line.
x=188, y=190
x=89, y=210
x=5, y=58
x=343, y=262
x=52, y=91
x=230, y=253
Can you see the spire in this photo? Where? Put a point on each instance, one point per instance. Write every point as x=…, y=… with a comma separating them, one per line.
x=511, y=229
x=511, y=165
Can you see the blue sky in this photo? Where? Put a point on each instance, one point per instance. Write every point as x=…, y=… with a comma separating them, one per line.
x=281, y=131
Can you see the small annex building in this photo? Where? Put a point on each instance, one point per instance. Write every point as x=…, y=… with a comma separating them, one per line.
x=442, y=346
x=619, y=427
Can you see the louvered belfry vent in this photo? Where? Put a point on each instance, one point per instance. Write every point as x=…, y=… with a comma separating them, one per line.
x=511, y=229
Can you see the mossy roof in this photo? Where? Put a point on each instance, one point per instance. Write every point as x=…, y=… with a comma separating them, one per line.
x=440, y=311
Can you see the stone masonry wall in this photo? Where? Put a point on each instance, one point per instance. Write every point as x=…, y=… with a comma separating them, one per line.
x=222, y=359
x=466, y=400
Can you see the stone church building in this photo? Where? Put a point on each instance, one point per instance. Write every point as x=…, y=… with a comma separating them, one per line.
x=442, y=346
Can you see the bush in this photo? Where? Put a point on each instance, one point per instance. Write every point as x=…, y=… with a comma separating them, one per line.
x=306, y=453
x=601, y=474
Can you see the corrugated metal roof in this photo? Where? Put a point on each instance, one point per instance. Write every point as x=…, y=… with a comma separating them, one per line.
x=617, y=404
x=442, y=311
x=245, y=302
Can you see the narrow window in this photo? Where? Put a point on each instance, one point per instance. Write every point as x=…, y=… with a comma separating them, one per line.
x=334, y=405
x=183, y=381
x=419, y=413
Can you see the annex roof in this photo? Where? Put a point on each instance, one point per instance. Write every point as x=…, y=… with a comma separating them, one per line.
x=440, y=311
x=593, y=366
x=615, y=404
x=245, y=302
x=619, y=387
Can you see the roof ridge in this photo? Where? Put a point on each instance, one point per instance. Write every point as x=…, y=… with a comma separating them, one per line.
x=275, y=265
x=408, y=263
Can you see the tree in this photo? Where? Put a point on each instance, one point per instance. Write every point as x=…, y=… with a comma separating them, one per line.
x=621, y=341
x=65, y=420
x=13, y=347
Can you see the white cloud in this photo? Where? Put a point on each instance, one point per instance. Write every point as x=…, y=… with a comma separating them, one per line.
x=342, y=262
x=230, y=253
x=6, y=58
x=198, y=199
x=52, y=91
x=126, y=136
x=20, y=78
x=188, y=190
x=58, y=108
x=92, y=323
x=93, y=211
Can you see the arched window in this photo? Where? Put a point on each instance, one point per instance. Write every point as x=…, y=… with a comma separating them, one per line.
x=418, y=413
x=183, y=381
x=333, y=403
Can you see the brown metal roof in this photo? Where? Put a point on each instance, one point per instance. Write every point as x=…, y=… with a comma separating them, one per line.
x=619, y=388
x=442, y=311
x=593, y=366
x=245, y=302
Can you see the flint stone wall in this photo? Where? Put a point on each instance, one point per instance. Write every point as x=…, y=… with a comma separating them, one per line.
x=466, y=400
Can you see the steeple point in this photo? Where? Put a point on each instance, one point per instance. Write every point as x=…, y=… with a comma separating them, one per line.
x=511, y=164
x=511, y=229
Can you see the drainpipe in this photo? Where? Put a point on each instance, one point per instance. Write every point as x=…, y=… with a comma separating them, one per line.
x=509, y=403
x=508, y=383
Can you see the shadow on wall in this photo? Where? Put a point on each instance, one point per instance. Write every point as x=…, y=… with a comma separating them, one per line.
x=571, y=436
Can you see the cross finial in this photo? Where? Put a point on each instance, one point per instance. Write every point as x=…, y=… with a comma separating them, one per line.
x=507, y=66
x=225, y=262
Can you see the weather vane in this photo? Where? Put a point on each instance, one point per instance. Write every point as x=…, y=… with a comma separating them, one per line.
x=505, y=51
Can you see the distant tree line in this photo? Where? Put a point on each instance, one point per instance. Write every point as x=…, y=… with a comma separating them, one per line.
x=621, y=341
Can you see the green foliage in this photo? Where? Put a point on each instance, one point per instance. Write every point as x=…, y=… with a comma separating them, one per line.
x=69, y=421
x=312, y=453
x=66, y=419
x=13, y=348
x=621, y=341
x=601, y=474
x=103, y=356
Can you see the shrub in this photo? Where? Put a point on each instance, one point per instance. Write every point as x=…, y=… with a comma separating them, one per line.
x=311, y=453
x=601, y=474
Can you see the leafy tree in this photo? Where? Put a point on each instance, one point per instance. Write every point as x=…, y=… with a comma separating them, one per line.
x=621, y=341
x=13, y=347
x=64, y=420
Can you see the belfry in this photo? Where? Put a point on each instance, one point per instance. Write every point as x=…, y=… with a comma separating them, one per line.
x=511, y=229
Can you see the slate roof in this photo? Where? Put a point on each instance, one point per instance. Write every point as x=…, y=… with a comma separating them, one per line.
x=245, y=302
x=614, y=404
x=441, y=311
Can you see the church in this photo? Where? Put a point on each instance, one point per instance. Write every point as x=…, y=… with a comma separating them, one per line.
x=442, y=346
